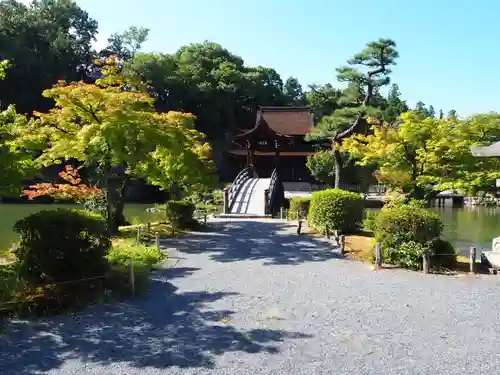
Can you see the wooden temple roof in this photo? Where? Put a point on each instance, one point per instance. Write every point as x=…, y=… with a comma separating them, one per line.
x=287, y=121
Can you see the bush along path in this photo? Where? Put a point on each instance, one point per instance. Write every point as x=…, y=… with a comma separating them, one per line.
x=67, y=259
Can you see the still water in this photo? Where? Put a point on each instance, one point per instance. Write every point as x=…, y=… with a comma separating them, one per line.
x=463, y=227
x=470, y=226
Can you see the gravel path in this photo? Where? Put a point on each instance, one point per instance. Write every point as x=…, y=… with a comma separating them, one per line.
x=253, y=298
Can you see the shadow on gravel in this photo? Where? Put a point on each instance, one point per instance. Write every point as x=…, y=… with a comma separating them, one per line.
x=161, y=330
x=273, y=241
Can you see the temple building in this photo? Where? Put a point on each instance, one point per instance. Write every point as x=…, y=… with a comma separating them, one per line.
x=276, y=141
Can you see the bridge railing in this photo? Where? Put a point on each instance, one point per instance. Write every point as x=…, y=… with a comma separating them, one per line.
x=272, y=195
x=231, y=193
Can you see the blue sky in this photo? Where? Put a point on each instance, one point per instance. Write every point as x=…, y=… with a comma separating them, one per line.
x=448, y=49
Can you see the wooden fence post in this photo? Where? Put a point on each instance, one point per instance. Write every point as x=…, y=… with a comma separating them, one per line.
x=299, y=227
x=157, y=241
x=327, y=231
x=131, y=278
x=226, y=201
x=425, y=263
x=342, y=244
x=149, y=226
x=472, y=259
x=281, y=213
x=139, y=234
x=378, y=255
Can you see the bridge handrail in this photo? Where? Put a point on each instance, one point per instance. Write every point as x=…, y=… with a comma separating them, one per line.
x=247, y=173
x=272, y=191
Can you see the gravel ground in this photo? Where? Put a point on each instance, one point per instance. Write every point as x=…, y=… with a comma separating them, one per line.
x=253, y=298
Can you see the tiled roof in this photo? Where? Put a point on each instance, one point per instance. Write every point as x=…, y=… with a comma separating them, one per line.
x=288, y=120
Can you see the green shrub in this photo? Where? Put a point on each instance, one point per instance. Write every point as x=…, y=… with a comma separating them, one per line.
x=299, y=207
x=10, y=281
x=63, y=244
x=96, y=204
x=338, y=209
x=443, y=254
x=369, y=221
x=405, y=231
x=126, y=251
x=180, y=213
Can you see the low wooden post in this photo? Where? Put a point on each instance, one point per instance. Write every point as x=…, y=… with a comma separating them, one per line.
x=299, y=227
x=327, y=231
x=205, y=218
x=425, y=263
x=226, y=201
x=157, y=241
x=266, y=197
x=378, y=255
x=342, y=244
x=131, y=278
x=149, y=226
x=139, y=234
x=281, y=213
x=472, y=259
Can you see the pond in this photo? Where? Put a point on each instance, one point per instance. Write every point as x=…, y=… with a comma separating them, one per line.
x=470, y=226
x=463, y=227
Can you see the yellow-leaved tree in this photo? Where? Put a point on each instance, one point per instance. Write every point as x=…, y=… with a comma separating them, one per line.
x=420, y=156
x=115, y=132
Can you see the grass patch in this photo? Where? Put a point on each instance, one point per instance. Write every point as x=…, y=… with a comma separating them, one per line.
x=163, y=229
x=360, y=247
x=125, y=251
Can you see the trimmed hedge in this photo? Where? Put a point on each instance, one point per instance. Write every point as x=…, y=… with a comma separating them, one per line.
x=180, y=213
x=407, y=231
x=61, y=245
x=336, y=209
x=298, y=205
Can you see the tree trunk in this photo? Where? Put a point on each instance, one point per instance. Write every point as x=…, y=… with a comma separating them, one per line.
x=115, y=202
x=337, y=160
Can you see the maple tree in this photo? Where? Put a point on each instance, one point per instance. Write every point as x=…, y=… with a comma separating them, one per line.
x=428, y=154
x=113, y=129
x=73, y=190
x=15, y=163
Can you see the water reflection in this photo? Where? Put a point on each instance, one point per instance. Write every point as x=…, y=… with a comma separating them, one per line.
x=470, y=226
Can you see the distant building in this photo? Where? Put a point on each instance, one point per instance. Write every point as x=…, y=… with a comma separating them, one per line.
x=276, y=141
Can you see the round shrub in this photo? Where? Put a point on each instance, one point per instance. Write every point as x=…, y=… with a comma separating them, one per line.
x=405, y=230
x=299, y=207
x=443, y=254
x=62, y=244
x=180, y=213
x=336, y=209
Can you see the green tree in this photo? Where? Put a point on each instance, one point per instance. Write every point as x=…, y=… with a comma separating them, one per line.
x=293, y=92
x=452, y=114
x=395, y=105
x=321, y=164
x=119, y=134
x=441, y=114
x=16, y=163
x=406, y=156
x=362, y=87
x=126, y=44
x=45, y=42
x=323, y=100
x=459, y=168
x=421, y=110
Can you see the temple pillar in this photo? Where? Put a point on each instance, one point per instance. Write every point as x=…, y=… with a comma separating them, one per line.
x=250, y=157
